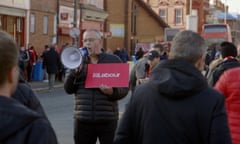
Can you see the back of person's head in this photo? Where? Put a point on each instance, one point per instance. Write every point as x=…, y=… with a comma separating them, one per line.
x=188, y=45
x=52, y=48
x=8, y=55
x=228, y=49
x=158, y=47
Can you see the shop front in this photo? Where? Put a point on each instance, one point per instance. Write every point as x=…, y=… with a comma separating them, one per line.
x=13, y=22
x=88, y=17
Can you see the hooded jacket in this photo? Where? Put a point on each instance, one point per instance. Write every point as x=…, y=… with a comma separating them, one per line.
x=176, y=106
x=25, y=95
x=20, y=125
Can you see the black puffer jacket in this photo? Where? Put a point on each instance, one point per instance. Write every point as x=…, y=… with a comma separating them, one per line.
x=20, y=125
x=176, y=106
x=91, y=105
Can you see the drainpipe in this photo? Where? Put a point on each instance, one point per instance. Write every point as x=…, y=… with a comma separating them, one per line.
x=126, y=25
x=105, y=6
x=57, y=31
x=75, y=40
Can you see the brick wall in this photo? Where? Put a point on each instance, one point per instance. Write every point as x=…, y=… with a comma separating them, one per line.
x=38, y=39
x=41, y=8
x=147, y=28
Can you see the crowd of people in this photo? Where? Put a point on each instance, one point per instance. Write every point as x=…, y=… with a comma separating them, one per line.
x=50, y=64
x=171, y=102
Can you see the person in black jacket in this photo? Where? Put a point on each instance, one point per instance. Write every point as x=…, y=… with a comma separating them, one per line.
x=139, y=53
x=176, y=106
x=18, y=124
x=96, y=109
x=228, y=54
x=52, y=63
x=25, y=95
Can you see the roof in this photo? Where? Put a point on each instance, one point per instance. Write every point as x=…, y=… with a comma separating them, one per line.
x=221, y=15
x=152, y=13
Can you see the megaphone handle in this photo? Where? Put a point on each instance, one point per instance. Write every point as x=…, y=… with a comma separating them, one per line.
x=78, y=70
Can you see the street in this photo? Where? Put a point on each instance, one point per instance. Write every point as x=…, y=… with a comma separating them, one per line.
x=59, y=109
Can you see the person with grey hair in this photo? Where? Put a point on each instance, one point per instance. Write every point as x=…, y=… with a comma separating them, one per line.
x=96, y=109
x=176, y=105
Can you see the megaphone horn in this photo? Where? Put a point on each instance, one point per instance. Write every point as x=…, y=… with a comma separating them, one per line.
x=72, y=57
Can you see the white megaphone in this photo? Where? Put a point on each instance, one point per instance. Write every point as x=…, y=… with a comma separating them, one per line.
x=72, y=57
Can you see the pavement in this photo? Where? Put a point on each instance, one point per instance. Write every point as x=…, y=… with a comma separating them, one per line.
x=43, y=85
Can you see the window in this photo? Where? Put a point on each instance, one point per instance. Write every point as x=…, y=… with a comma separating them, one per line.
x=32, y=23
x=215, y=28
x=93, y=2
x=178, y=16
x=163, y=14
x=45, y=24
x=19, y=24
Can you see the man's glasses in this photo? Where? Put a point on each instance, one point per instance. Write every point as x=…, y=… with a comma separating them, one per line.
x=90, y=39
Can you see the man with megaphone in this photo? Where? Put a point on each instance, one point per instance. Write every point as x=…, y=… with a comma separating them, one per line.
x=96, y=109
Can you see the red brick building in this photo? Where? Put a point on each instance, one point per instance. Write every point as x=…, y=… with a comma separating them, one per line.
x=42, y=23
x=30, y=22
x=131, y=22
x=90, y=15
x=13, y=19
x=174, y=12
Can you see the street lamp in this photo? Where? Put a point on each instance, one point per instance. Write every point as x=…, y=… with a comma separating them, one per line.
x=190, y=8
x=75, y=30
x=75, y=13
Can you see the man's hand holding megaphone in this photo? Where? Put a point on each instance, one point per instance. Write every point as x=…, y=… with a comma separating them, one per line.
x=73, y=58
x=78, y=70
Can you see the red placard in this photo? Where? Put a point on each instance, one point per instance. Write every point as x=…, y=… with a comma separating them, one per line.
x=112, y=75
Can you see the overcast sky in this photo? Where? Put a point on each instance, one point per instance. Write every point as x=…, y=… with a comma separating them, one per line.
x=234, y=5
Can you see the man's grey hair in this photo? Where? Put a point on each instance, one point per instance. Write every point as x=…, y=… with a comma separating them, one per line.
x=188, y=45
x=98, y=33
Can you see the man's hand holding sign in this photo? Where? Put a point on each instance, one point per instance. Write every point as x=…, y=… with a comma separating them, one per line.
x=107, y=75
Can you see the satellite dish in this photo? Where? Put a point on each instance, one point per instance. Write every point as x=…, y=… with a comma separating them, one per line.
x=74, y=32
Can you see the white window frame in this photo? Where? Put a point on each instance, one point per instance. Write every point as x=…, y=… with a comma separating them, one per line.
x=32, y=23
x=179, y=16
x=164, y=16
x=45, y=24
x=92, y=2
